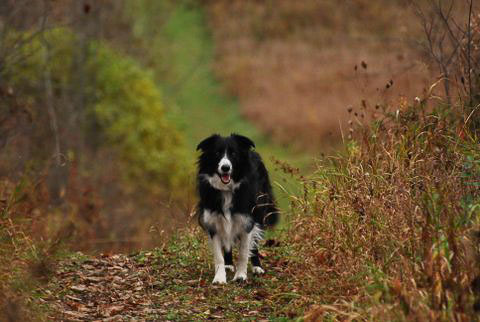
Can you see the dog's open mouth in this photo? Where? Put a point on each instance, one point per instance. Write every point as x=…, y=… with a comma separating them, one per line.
x=225, y=178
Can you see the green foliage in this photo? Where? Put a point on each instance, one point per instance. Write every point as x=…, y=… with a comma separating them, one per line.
x=130, y=110
x=124, y=103
x=29, y=71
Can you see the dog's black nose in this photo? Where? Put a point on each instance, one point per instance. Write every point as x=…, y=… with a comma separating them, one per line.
x=225, y=168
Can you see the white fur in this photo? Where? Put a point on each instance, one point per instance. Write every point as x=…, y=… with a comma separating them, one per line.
x=257, y=270
x=220, y=274
x=243, y=254
x=225, y=161
x=227, y=228
x=257, y=236
x=247, y=243
x=227, y=201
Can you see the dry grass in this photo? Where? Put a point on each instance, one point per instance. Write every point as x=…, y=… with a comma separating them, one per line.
x=25, y=262
x=291, y=63
x=392, y=225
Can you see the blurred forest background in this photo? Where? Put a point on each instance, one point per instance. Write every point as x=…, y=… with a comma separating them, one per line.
x=102, y=104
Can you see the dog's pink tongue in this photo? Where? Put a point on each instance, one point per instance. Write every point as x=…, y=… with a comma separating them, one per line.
x=225, y=178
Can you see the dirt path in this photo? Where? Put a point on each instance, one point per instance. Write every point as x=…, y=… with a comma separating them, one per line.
x=109, y=288
x=171, y=284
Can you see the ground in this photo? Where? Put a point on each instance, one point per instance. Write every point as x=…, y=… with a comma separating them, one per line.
x=172, y=283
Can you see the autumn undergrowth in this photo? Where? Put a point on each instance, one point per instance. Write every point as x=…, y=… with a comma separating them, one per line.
x=392, y=222
x=31, y=244
x=385, y=230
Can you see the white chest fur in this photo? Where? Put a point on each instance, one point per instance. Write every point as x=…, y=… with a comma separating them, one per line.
x=227, y=226
x=227, y=197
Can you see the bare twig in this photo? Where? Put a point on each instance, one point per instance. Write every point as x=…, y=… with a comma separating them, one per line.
x=445, y=39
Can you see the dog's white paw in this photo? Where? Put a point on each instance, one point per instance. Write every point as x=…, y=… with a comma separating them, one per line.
x=257, y=270
x=219, y=279
x=231, y=268
x=240, y=276
x=220, y=275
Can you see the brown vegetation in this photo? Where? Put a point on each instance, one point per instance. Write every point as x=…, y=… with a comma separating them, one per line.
x=388, y=228
x=393, y=224
x=296, y=65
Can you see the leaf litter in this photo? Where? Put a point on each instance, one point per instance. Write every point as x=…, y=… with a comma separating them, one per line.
x=172, y=283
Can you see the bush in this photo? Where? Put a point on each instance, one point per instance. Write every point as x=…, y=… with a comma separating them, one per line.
x=393, y=221
x=124, y=109
x=123, y=162
x=130, y=111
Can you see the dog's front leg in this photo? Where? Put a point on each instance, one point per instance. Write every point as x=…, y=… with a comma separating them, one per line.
x=244, y=251
x=220, y=274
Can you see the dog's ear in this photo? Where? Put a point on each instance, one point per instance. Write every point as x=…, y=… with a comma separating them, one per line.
x=205, y=144
x=243, y=141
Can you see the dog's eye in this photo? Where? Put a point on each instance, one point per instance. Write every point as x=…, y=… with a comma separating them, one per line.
x=217, y=153
x=233, y=153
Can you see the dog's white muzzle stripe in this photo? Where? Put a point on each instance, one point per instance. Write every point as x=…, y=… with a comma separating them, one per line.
x=224, y=161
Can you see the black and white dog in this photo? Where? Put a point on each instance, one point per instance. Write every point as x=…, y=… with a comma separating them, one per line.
x=236, y=202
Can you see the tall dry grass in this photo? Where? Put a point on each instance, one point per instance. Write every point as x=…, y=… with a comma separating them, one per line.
x=390, y=228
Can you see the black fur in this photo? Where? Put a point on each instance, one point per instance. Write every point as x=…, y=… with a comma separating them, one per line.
x=253, y=197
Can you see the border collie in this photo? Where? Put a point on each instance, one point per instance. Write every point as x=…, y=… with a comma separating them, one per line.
x=236, y=202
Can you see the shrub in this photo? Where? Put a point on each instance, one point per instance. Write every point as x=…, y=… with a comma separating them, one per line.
x=123, y=162
x=130, y=111
x=392, y=221
x=124, y=110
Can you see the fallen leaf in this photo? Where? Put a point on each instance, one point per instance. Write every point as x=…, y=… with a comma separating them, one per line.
x=78, y=288
x=93, y=279
x=74, y=314
x=112, y=310
x=73, y=298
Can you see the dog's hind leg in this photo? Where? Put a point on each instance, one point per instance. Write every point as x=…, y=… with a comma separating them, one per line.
x=227, y=255
x=220, y=275
x=255, y=259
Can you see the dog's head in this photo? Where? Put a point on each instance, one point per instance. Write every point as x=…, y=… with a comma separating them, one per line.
x=224, y=160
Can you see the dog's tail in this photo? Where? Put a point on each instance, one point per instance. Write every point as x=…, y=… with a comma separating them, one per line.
x=267, y=211
x=272, y=217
